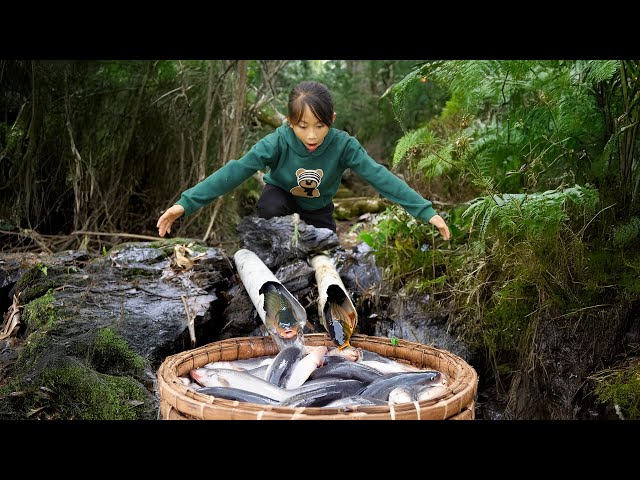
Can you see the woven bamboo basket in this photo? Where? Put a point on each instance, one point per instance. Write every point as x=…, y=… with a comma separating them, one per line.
x=179, y=402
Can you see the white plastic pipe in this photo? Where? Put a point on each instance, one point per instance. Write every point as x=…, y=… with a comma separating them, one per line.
x=327, y=277
x=254, y=274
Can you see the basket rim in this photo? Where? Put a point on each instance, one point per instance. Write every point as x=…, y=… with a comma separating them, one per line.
x=191, y=404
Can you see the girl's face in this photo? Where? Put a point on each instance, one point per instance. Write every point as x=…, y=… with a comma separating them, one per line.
x=310, y=130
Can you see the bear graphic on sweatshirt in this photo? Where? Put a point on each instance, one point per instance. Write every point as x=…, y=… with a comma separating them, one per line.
x=308, y=182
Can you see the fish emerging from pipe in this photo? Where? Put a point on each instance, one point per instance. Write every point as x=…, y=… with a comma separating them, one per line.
x=281, y=318
x=338, y=317
x=337, y=313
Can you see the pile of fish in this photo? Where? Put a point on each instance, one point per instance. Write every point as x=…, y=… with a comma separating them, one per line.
x=316, y=376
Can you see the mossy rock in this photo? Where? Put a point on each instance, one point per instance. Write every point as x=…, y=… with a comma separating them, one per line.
x=69, y=390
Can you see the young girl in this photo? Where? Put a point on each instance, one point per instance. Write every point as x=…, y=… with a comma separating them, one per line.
x=306, y=159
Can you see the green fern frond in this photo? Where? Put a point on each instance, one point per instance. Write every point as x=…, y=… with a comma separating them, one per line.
x=490, y=212
x=476, y=208
x=517, y=69
x=602, y=70
x=410, y=141
x=438, y=162
x=576, y=113
x=398, y=91
x=536, y=212
x=480, y=164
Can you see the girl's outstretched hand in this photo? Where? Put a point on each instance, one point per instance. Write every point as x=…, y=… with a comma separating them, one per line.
x=438, y=222
x=167, y=218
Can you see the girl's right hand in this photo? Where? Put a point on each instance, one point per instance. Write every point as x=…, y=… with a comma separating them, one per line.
x=167, y=218
x=442, y=227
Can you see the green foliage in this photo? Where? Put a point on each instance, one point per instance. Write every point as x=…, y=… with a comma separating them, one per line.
x=621, y=388
x=627, y=276
x=404, y=248
x=503, y=328
x=452, y=108
x=534, y=216
x=422, y=137
x=434, y=156
x=399, y=92
x=535, y=124
x=626, y=234
x=525, y=259
x=599, y=70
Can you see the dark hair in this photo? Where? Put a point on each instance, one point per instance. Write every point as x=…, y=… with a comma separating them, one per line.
x=314, y=94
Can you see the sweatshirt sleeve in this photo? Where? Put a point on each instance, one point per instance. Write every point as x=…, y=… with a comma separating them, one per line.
x=387, y=183
x=230, y=175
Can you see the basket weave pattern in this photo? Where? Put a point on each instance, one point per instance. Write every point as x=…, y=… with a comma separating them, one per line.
x=179, y=402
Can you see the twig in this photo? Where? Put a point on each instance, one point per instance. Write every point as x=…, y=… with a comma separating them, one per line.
x=11, y=319
x=592, y=219
x=116, y=234
x=581, y=309
x=35, y=236
x=216, y=210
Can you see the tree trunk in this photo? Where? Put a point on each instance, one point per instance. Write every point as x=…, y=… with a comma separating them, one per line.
x=230, y=149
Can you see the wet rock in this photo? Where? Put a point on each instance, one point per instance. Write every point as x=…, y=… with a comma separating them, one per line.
x=137, y=294
x=357, y=268
x=276, y=242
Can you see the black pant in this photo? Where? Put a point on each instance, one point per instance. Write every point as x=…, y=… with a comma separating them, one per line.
x=276, y=202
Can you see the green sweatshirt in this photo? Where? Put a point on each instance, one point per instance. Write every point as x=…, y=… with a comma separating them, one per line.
x=312, y=177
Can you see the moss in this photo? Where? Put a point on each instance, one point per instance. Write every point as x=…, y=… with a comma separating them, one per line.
x=72, y=391
x=79, y=392
x=40, y=313
x=37, y=344
x=37, y=281
x=110, y=353
x=11, y=402
x=622, y=389
x=347, y=210
x=46, y=386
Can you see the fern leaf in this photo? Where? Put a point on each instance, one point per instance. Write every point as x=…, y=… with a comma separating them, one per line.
x=410, y=141
x=602, y=70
